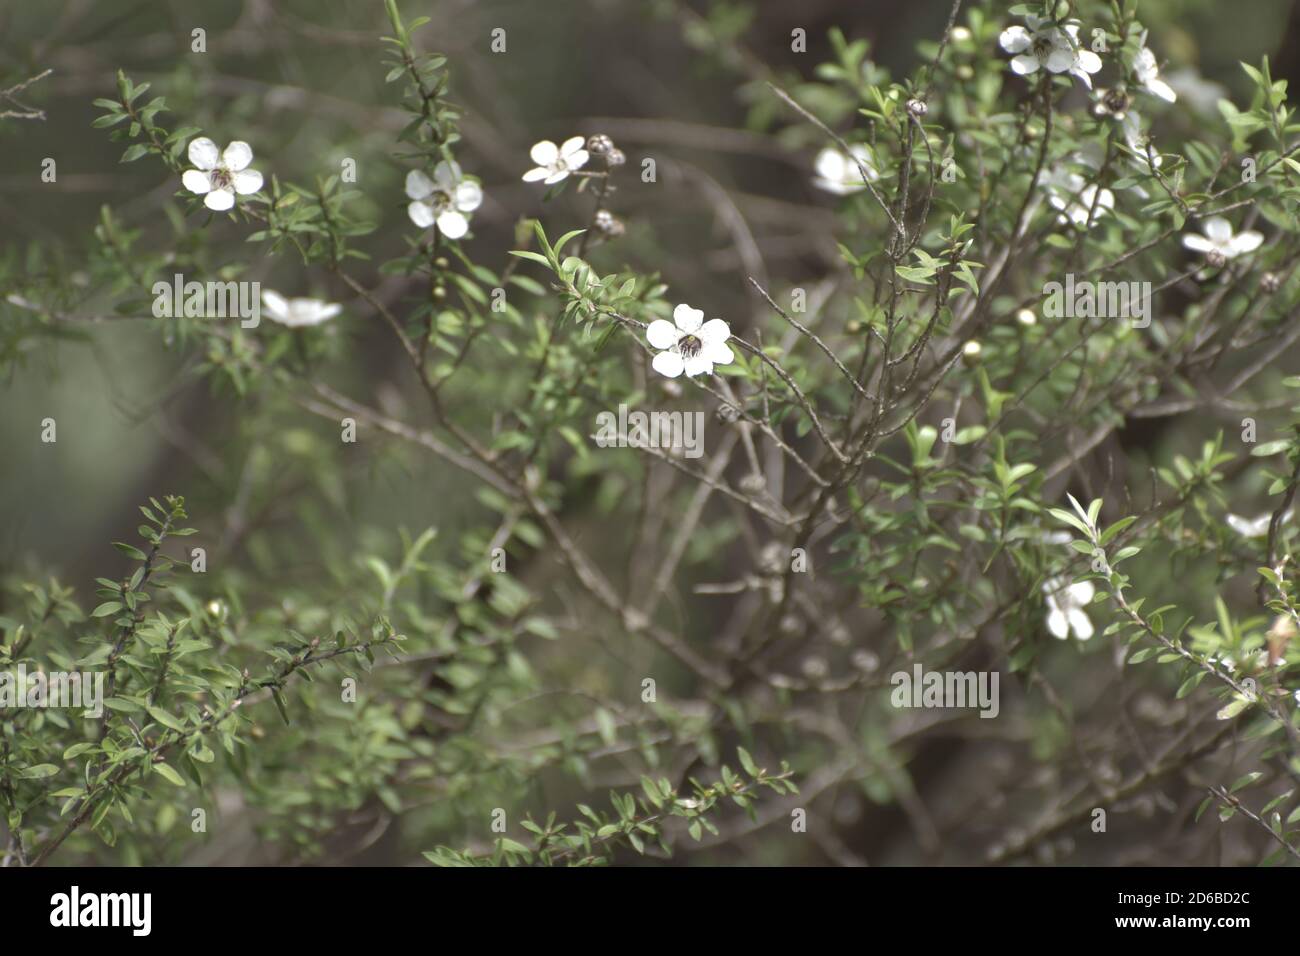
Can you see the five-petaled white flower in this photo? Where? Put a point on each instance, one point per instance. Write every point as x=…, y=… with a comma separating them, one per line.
x=1220, y=240
x=556, y=162
x=842, y=174
x=1080, y=205
x=297, y=312
x=1045, y=45
x=690, y=344
x=1148, y=74
x=444, y=199
x=221, y=174
x=1065, y=606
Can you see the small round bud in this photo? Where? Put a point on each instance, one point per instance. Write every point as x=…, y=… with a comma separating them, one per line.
x=960, y=34
x=439, y=293
x=917, y=108
x=753, y=484
x=1270, y=282
x=441, y=262
x=615, y=157
x=970, y=352
x=599, y=145
x=727, y=413
x=607, y=224
x=1026, y=317
x=1216, y=259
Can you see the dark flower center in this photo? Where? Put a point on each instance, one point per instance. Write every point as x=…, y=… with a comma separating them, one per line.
x=221, y=178
x=689, y=346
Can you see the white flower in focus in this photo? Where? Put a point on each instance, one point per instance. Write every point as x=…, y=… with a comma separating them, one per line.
x=444, y=199
x=1044, y=45
x=840, y=174
x=1219, y=239
x=690, y=344
x=1148, y=74
x=1065, y=606
x=220, y=175
x=556, y=162
x=1076, y=201
x=296, y=313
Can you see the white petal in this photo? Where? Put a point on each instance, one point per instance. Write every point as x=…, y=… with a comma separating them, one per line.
x=329, y=310
x=237, y=156
x=1058, y=624
x=544, y=153
x=196, y=181
x=1025, y=64
x=1162, y=89
x=1080, y=624
x=719, y=353
x=247, y=181
x=1015, y=39
x=536, y=173
x=219, y=199
x=688, y=320
x=421, y=214
x=830, y=165
x=697, y=365
x=577, y=160
x=1198, y=243
x=1088, y=61
x=418, y=185
x=1081, y=593
x=203, y=153
x=570, y=147
x=1218, y=229
x=1060, y=60
x=446, y=174
x=275, y=305
x=453, y=224
x=715, y=330
x=668, y=364
x=556, y=176
x=662, y=334
x=1247, y=241
x=469, y=196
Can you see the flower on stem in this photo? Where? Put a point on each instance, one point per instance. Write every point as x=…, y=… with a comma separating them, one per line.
x=842, y=174
x=1148, y=74
x=1065, y=606
x=689, y=344
x=554, y=163
x=1220, y=241
x=445, y=199
x=1080, y=205
x=1042, y=44
x=296, y=313
x=219, y=175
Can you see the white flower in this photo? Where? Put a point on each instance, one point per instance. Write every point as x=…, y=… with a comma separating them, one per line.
x=1219, y=239
x=690, y=344
x=444, y=199
x=1046, y=45
x=1065, y=608
x=1075, y=200
x=1148, y=74
x=1253, y=527
x=841, y=174
x=220, y=175
x=555, y=163
x=297, y=312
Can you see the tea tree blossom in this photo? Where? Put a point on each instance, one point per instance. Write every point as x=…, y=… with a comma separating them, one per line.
x=690, y=344
x=1042, y=44
x=841, y=174
x=1080, y=205
x=218, y=176
x=1065, y=604
x=445, y=199
x=1148, y=74
x=554, y=163
x=1219, y=240
x=297, y=313
x=1252, y=527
